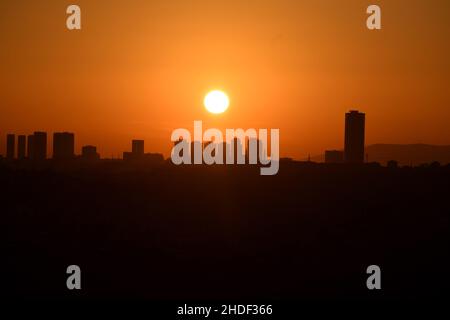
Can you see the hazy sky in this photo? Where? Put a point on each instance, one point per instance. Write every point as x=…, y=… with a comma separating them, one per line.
x=140, y=69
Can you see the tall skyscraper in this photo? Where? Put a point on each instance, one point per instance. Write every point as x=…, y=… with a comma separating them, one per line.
x=40, y=146
x=10, y=146
x=137, y=147
x=63, y=145
x=21, y=147
x=30, y=147
x=354, y=137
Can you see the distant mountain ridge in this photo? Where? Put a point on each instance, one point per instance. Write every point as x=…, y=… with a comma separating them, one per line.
x=404, y=154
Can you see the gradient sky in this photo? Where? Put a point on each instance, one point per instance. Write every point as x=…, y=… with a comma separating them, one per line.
x=140, y=69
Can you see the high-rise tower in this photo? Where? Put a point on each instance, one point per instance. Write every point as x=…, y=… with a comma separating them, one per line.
x=354, y=137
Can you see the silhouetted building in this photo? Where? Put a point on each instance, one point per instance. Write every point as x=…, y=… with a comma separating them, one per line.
x=10, y=146
x=137, y=151
x=354, y=137
x=21, y=147
x=392, y=164
x=89, y=153
x=63, y=145
x=137, y=154
x=40, y=146
x=334, y=156
x=137, y=147
x=30, y=147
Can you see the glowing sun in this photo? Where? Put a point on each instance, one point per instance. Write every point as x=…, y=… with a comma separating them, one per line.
x=216, y=101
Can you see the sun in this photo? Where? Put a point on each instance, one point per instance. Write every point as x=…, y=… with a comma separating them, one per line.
x=216, y=101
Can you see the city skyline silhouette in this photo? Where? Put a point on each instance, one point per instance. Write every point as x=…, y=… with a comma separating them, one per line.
x=62, y=147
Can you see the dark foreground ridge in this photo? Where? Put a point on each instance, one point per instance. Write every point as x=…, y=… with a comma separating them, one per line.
x=225, y=232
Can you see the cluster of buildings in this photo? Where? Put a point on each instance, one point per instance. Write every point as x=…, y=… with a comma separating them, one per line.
x=34, y=147
x=353, y=140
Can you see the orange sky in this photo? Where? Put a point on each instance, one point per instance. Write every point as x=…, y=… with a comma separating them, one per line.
x=139, y=69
